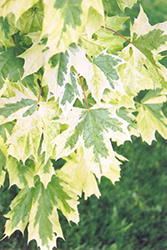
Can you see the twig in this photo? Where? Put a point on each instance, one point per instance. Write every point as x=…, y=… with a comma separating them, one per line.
x=40, y=93
x=14, y=40
x=116, y=33
x=84, y=92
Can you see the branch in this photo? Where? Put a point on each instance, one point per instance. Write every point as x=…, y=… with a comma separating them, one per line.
x=40, y=93
x=84, y=92
x=14, y=40
x=116, y=33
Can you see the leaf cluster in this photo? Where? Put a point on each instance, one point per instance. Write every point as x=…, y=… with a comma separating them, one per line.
x=70, y=86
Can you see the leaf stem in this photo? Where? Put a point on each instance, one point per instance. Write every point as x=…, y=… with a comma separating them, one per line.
x=40, y=93
x=14, y=40
x=84, y=92
x=116, y=33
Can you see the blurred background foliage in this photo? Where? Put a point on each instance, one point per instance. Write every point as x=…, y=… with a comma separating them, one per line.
x=132, y=215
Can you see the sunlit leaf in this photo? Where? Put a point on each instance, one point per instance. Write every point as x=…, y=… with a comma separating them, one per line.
x=126, y=3
x=18, y=9
x=80, y=174
x=150, y=117
x=92, y=129
x=38, y=206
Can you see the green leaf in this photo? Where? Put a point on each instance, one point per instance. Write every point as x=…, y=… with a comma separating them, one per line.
x=56, y=73
x=80, y=174
x=44, y=169
x=6, y=130
x=126, y=3
x=22, y=203
x=70, y=93
x=7, y=29
x=150, y=117
x=31, y=21
x=66, y=86
x=95, y=16
x=111, y=6
x=20, y=174
x=49, y=111
x=32, y=82
x=92, y=129
x=64, y=17
x=3, y=155
x=98, y=78
x=118, y=99
x=108, y=64
x=143, y=71
x=26, y=135
x=35, y=57
x=11, y=67
x=139, y=73
x=38, y=206
x=23, y=102
x=55, y=57
x=105, y=38
x=115, y=22
x=69, y=18
x=18, y=9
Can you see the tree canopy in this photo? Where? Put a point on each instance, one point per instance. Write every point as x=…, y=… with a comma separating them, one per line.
x=71, y=84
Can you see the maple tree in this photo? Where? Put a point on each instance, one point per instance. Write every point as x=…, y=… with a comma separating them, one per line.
x=70, y=85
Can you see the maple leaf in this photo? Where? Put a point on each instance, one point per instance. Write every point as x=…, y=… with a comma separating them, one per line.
x=108, y=64
x=106, y=37
x=32, y=122
x=64, y=18
x=11, y=67
x=28, y=130
x=43, y=169
x=92, y=129
x=150, y=117
x=31, y=20
x=143, y=71
x=147, y=72
x=20, y=174
x=80, y=174
x=52, y=55
x=16, y=102
x=18, y=9
x=69, y=19
x=95, y=16
x=56, y=74
x=72, y=91
x=3, y=155
x=100, y=74
x=57, y=69
x=126, y=3
x=62, y=82
x=35, y=57
x=7, y=29
x=38, y=206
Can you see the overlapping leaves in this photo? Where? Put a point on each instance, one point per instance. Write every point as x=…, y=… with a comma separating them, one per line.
x=38, y=206
x=55, y=56
x=92, y=129
x=150, y=117
x=33, y=120
x=143, y=70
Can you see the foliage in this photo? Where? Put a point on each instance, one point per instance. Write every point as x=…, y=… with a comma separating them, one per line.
x=70, y=84
x=130, y=214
